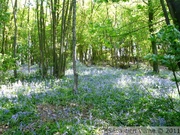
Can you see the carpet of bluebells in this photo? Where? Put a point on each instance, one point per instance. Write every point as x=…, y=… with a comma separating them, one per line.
x=107, y=97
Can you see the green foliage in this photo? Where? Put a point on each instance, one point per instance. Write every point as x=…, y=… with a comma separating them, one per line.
x=178, y=79
x=6, y=62
x=99, y=1
x=151, y=57
x=4, y=14
x=5, y=17
x=169, y=39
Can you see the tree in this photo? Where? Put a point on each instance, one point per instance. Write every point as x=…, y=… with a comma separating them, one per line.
x=151, y=13
x=110, y=32
x=61, y=66
x=174, y=8
x=75, y=88
x=169, y=37
x=165, y=12
x=64, y=36
x=54, y=8
x=41, y=37
x=5, y=18
x=15, y=37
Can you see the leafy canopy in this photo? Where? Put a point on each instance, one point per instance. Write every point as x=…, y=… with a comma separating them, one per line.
x=99, y=1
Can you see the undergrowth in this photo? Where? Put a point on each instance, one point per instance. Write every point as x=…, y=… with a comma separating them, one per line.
x=106, y=97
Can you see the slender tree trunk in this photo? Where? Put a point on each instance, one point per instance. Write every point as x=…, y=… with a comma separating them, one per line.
x=4, y=8
x=68, y=31
x=54, y=35
x=151, y=30
x=138, y=55
x=3, y=40
x=15, y=37
x=39, y=35
x=42, y=37
x=29, y=39
x=65, y=24
x=60, y=66
x=75, y=89
x=165, y=12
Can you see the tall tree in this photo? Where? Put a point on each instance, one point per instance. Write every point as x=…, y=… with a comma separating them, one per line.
x=75, y=89
x=4, y=20
x=54, y=8
x=174, y=8
x=62, y=41
x=64, y=38
x=29, y=37
x=15, y=36
x=165, y=12
x=41, y=36
x=151, y=14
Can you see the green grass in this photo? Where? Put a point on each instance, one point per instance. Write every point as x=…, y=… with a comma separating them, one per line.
x=86, y=113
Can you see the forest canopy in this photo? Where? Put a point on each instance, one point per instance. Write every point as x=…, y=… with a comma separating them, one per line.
x=116, y=33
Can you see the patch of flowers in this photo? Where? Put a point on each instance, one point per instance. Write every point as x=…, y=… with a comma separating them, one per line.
x=109, y=79
x=107, y=96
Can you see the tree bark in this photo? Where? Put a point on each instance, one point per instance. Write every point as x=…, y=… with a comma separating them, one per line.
x=15, y=37
x=151, y=30
x=54, y=35
x=29, y=39
x=4, y=8
x=60, y=66
x=165, y=12
x=75, y=89
x=3, y=40
x=42, y=37
x=65, y=26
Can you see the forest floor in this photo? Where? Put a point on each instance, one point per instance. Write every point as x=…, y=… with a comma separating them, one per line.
x=107, y=97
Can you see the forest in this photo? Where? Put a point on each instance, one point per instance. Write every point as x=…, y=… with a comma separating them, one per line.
x=88, y=67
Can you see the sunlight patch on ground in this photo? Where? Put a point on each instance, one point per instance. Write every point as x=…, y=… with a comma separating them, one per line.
x=96, y=79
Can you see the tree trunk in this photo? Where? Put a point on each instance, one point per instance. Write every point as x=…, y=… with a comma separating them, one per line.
x=3, y=40
x=65, y=27
x=75, y=88
x=29, y=40
x=174, y=8
x=62, y=42
x=41, y=35
x=54, y=35
x=15, y=37
x=43, y=32
x=151, y=30
x=165, y=12
x=4, y=8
